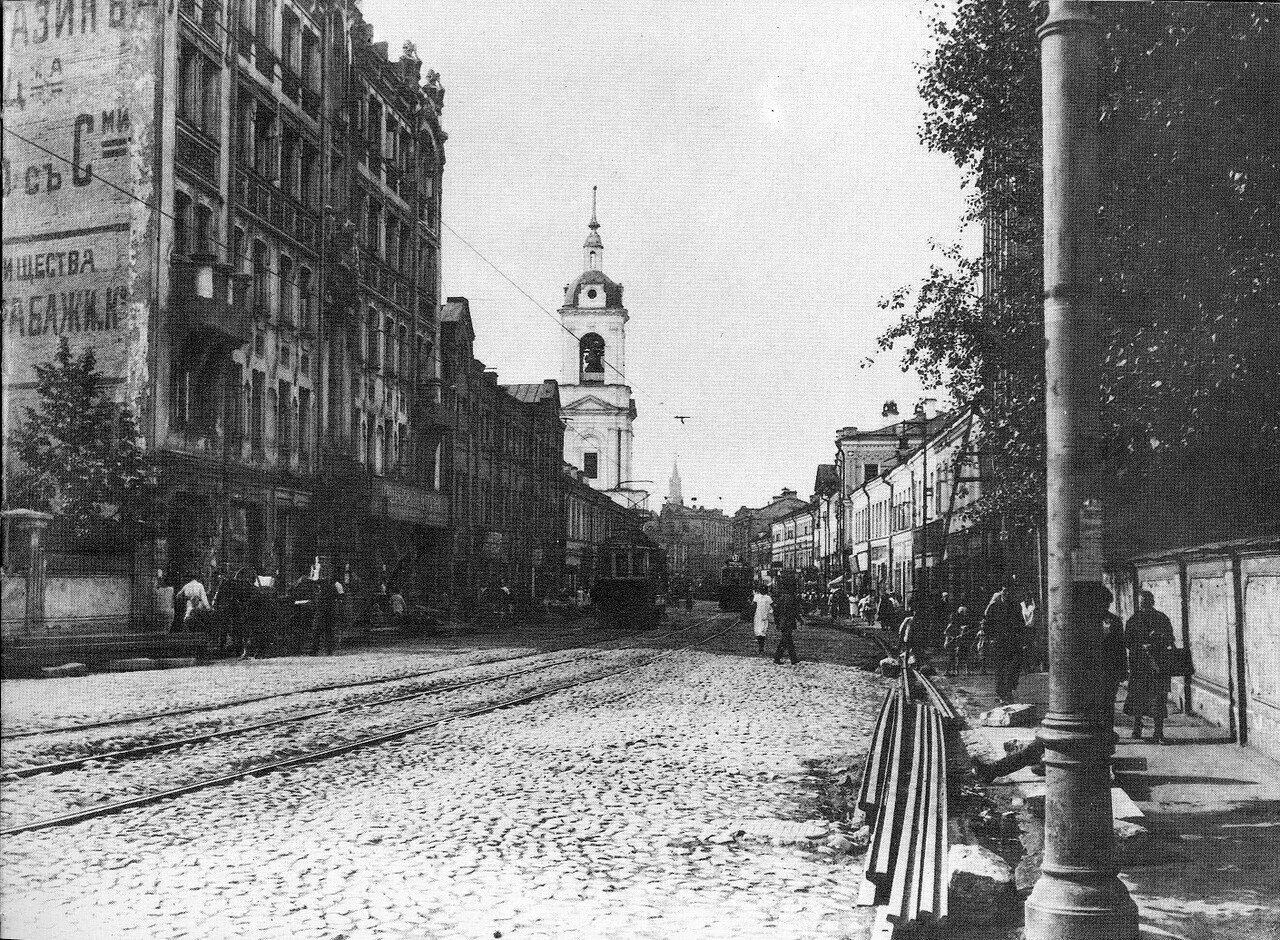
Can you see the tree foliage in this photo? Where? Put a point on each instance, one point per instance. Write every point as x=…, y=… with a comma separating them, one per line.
x=1188, y=229
x=78, y=455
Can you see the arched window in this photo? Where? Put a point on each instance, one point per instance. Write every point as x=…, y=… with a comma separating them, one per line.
x=591, y=359
x=593, y=264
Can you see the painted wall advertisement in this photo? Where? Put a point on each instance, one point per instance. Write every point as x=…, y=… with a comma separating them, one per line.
x=79, y=227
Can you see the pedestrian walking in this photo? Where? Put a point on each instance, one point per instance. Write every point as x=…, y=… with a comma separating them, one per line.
x=763, y=616
x=1002, y=622
x=839, y=603
x=867, y=607
x=328, y=607
x=888, y=612
x=1148, y=636
x=956, y=640
x=786, y=614
x=981, y=650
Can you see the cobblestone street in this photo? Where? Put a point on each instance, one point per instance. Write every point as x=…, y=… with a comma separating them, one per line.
x=647, y=804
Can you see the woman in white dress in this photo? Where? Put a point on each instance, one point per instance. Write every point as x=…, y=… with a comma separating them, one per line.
x=763, y=615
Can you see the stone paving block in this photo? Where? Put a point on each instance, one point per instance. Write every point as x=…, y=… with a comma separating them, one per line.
x=1018, y=715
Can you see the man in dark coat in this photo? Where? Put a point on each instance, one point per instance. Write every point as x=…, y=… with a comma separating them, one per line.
x=786, y=614
x=1148, y=636
x=1002, y=623
x=328, y=611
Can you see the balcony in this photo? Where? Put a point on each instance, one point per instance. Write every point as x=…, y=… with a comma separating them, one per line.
x=207, y=302
x=197, y=153
x=273, y=206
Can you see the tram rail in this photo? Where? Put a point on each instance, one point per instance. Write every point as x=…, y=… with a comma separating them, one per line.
x=325, y=753
x=308, y=690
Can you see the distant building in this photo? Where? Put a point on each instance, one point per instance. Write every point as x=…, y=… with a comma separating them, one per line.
x=591, y=519
x=697, y=540
x=752, y=533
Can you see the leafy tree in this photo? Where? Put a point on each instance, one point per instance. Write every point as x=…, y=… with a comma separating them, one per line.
x=1189, y=229
x=78, y=452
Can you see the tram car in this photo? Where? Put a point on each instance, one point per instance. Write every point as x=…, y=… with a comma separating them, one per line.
x=735, y=585
x=630, y=589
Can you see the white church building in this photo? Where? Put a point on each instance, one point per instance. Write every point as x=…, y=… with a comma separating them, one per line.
x=596, y=402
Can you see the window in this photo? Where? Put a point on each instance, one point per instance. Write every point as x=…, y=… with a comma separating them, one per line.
x=257, y=418
x=289, y=45
x=189, y=83
x=870, y=471
x=309, y=174
x=388, y=344
x=210, y=15
x=259, y=275
x=182, y=223
x=373, y=227
x=371, y=338
x=310, y=64
x=264, y=22
x=304, y=298
x=290, y=163
x=204, y=238
x=284, y=422
x=590, y=465
x=285, y=277
x=244, y=145
x=266, y=146
x=236, y=260
x=591, y=359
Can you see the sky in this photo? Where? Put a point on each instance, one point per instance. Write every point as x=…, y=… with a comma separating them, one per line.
x=761, y=187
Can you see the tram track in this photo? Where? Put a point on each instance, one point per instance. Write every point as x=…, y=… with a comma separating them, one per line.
x=130, y=753
x=336, y=750
x=252, y=700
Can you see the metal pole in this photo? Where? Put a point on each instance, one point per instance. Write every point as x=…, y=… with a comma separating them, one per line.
x=1078, y=896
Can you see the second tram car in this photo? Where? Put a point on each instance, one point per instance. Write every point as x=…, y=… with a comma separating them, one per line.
x=630, y=589
x=735, y=585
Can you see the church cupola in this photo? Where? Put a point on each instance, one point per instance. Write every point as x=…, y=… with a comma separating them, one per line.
x=593, y=247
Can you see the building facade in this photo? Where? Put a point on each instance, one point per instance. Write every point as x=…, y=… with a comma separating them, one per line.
x=591, y=519
x=752, y=529
x=253, y=255
x=502, y=469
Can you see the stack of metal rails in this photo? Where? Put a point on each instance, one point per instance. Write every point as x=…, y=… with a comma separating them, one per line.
x=904, y=796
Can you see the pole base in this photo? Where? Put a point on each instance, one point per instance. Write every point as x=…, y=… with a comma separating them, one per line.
x=1097, y=907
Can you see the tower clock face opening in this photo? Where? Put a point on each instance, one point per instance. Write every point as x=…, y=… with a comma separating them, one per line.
x=592, y=293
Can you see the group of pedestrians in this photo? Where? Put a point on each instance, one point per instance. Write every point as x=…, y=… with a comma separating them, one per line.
x=779, y=608
x=246, y=611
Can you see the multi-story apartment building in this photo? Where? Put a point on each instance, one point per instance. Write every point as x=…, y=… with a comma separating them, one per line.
x=245, y=197
x=592, y=517
x=794, y=543
x=752, y=530
x=502, y=469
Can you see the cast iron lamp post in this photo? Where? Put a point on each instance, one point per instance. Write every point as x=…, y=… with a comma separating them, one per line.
x=1079, y=895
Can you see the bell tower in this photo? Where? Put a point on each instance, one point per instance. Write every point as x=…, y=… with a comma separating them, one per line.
x=596, y=402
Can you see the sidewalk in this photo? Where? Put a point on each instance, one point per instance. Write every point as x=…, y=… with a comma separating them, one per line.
x=1208, y=864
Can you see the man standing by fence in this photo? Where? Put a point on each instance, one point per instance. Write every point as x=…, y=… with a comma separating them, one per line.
x=1002, y=623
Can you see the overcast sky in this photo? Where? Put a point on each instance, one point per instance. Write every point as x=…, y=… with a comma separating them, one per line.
x=761, y=187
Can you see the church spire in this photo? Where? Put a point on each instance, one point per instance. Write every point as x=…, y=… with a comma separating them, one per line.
x=675, y=494
x=593, y=247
